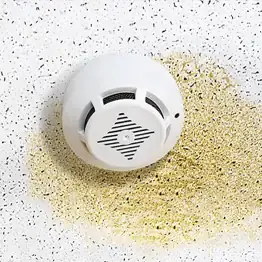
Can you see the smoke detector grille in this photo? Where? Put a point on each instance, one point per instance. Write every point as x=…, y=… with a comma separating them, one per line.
x=153, y=104
x=125, y=128
x=119, y=96
x=89, y=114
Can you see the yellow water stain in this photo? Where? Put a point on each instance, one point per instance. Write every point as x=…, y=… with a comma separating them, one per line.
x=209, y=183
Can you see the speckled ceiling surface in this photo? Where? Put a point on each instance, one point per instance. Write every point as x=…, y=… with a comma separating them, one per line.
x=42, y=44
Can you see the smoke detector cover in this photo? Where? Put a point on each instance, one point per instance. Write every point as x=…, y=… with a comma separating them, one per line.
x=122, y=112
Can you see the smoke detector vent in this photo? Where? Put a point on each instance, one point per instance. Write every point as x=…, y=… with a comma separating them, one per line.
x=118, y=96
x=89, y=114
x=122, y=112
x=153, y=104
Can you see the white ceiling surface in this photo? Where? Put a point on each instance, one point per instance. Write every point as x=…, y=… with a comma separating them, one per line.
x=42, y=42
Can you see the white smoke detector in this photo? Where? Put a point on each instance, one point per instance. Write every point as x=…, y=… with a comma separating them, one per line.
x=122, y=112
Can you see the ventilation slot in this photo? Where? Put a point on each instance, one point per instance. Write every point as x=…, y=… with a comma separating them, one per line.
x=89, y=114
x=124, y=123
x=153, y=104
x=118, y=96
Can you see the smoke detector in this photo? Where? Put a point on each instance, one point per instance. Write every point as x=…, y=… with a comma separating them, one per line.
x=122, y=112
